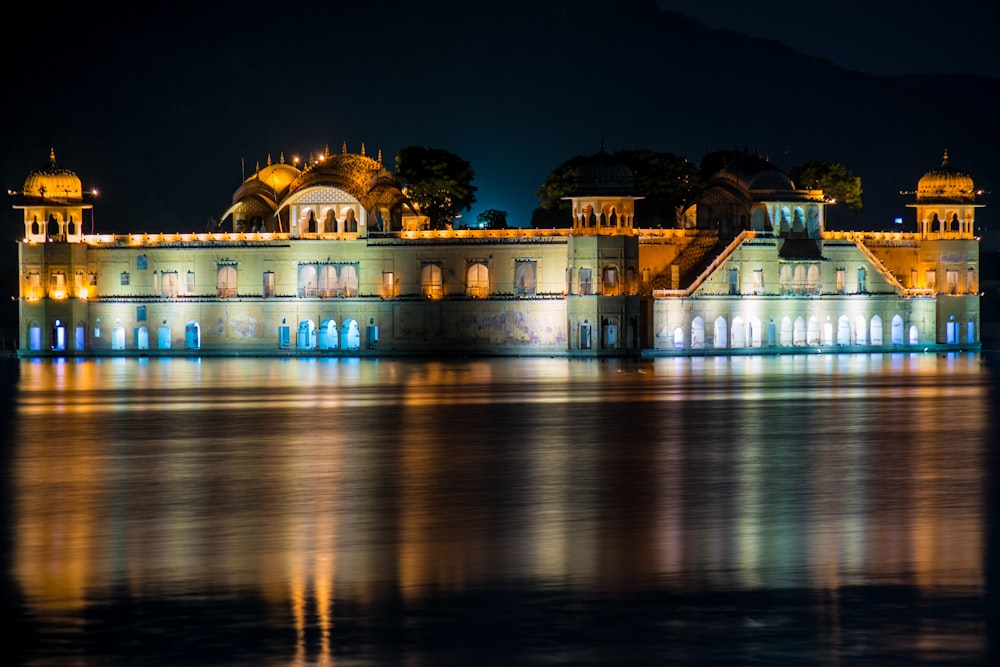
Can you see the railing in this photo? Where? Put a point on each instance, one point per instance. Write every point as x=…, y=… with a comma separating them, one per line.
x=703, y=276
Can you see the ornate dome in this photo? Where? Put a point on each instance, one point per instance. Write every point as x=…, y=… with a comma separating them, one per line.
x=602, y=176
x=753, y=172
x=946, y=184
x=278, y=176
x=771, y=179
x=358, y=175
x=270, y=183
x=51, y=182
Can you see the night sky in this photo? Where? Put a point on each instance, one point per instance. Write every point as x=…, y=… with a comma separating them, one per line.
x=167, y=107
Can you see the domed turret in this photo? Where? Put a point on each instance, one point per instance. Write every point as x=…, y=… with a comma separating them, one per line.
x=52, y=182
x=946, y=203
x=946, y=184
x=53, y=203
x=603, y=176
x=602, y=195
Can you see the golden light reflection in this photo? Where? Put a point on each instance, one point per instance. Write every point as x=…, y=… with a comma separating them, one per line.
x=331, y=481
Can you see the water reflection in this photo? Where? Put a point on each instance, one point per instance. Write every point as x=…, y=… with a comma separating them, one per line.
x=330, y=491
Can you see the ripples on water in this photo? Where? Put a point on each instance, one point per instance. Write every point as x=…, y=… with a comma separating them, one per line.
x=749, y=510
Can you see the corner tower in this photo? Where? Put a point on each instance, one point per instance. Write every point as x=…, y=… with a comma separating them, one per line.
x=946, y=203
x=53, y=202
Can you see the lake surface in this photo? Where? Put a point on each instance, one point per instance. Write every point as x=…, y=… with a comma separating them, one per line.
x=814, y=509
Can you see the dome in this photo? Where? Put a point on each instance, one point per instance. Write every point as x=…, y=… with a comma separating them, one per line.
x=602, y=175
x=270, y=183
x=51, y=182
x=359, y=176
x=946, y=184
x=278, y=176
x=753, y=172
x=771, y=179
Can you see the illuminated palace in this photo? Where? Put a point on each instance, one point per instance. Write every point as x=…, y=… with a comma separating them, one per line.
x=332, y=259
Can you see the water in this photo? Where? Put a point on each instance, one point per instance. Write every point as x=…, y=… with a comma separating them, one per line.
x=815, y=509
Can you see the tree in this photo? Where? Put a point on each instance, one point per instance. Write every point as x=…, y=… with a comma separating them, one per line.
x=491, y=218
x=666, y=182
x=553, y=211
x=836, y=181
x=438, y=182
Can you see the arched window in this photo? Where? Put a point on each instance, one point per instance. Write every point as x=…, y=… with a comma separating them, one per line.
x=800, y=279
x=350, y=222
x=327, y=280
x=813, y=285
x=349, y=280
x=431, y=280
x=477, y=280
x=308, y=280
x=609, y=281
x=525, y=280
x=330, y=222
x=225, y=281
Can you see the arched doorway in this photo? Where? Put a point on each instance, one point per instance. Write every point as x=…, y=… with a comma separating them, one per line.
x=118, y=338
x=59, y=336
x=843, y=331
x=799, y=332
x=860, y=330
x=35, y=337
x=307, y=335
x=328, y=339
x=896, y=330
x=755, y=332
x=163, y=338
x=720, y=339
x=192, y=335
x=785, y=339
x=875, y=330
x=697, y=333
x=812, y=332
x=81, y=336
x=350, y=333
x=739, y=337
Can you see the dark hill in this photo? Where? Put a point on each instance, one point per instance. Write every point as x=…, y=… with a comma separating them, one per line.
x=166, y=111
